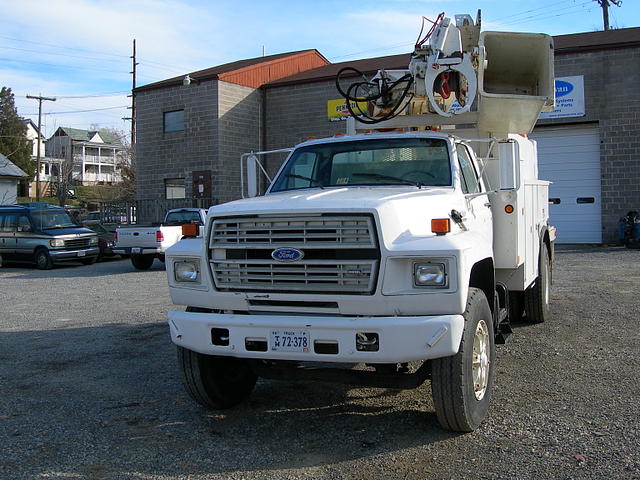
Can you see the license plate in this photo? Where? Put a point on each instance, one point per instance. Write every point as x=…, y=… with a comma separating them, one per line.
x=135, y=250
x=81, y=253
x=290, y=341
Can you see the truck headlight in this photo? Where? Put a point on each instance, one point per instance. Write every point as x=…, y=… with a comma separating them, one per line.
x=429, y=274
x=93, y=240
x=186, y=271
x=56, y=242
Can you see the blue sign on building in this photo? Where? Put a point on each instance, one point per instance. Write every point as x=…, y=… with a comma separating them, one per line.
x=569, y=98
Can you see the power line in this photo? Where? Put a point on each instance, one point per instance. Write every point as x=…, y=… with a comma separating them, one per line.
x=112, y=94
x=84, y=57
x=373, y=50
x=567, y=11
x=63, y=47
x=544, y=7
x=76, y=67
x=79, y=111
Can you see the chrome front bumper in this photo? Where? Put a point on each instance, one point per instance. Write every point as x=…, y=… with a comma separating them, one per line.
x=79, y=254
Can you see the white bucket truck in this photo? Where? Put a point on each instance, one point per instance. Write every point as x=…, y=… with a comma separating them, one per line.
x=384, y=259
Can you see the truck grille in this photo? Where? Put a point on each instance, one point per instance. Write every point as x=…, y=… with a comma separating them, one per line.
x=340, y=254
x=303, y=231
x=77, y=243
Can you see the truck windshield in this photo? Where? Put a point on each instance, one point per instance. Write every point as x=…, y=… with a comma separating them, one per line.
x=414, y=161
x=50, y=219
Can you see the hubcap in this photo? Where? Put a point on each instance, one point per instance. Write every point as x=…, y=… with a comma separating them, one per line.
x=481, y=361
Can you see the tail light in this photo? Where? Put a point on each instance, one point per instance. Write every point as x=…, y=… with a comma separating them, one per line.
x=159, y=236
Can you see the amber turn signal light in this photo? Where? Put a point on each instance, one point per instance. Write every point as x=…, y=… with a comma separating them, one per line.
x=190, y=230
x=440, y=226
x=508, y=208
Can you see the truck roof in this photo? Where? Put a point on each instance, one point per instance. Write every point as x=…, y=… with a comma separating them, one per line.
x=31, y=206
x=375, y=136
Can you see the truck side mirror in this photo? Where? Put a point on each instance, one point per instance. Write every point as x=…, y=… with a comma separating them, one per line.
x=509, y=165
x=252, y=176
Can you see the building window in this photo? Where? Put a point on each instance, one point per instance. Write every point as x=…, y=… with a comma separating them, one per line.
x=174, y=188
x=174, y=121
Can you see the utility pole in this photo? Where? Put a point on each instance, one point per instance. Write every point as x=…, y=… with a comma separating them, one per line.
x=605, y=10
x=40, y=100
x=133, y=97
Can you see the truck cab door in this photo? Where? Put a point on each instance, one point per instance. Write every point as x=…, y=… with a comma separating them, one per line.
x=478, y=215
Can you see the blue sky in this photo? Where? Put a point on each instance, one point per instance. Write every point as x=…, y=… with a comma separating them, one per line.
x=78, y=50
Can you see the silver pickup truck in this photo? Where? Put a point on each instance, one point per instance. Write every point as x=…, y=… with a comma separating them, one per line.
x=146, y=243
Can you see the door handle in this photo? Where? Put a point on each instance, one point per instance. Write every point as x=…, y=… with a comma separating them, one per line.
x=487, y=204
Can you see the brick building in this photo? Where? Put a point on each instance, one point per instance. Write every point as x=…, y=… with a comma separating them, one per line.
x=191, y=130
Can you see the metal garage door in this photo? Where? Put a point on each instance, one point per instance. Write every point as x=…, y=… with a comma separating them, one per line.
x=570, y=158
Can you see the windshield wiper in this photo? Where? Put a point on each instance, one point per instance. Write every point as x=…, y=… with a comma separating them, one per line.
x=302, y=177
x=53, y=227
x=387, y=177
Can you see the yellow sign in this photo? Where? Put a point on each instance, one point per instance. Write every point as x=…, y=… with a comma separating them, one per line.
x=337, y=109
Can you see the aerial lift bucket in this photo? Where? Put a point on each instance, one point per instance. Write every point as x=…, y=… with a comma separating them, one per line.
x=515, y=81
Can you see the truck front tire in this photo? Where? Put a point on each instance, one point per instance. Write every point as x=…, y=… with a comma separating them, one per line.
x=462, y=385
x=215, y=382
x=536, y=297
x=43, y=259
x=142, y=262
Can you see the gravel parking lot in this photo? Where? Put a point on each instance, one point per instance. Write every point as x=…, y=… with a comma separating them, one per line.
x=90, y=389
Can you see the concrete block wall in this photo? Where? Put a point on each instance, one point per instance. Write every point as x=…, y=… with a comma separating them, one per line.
x=239, y=123
x=163, y=155
x=297, y=112
x=612, y=101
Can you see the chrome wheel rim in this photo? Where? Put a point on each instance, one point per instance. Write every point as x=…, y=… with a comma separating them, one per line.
x=481, y=360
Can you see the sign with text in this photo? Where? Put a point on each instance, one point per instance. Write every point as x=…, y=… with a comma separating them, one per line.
x=569, y=98
x=337, y=109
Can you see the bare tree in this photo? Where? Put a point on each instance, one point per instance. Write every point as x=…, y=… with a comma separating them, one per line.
x=64, y=180
x=127, y=167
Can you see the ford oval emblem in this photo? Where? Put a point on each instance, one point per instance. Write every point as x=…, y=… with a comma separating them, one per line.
x=287, y=254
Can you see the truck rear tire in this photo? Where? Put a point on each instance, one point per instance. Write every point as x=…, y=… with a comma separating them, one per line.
x=215, y=382
x=142, y=262
x=462, y=385
x=536, y=297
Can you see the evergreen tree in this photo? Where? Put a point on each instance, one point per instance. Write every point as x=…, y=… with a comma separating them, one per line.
x=13, y=134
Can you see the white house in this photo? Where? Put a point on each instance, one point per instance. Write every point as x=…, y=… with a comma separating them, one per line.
x=97, y=155
x=10, y=176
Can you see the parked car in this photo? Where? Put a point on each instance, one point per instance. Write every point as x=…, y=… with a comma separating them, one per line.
x=45, y=235
x=90, y=217
x=106, y=239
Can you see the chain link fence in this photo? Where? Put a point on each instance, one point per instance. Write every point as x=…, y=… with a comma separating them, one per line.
x=147, y=211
